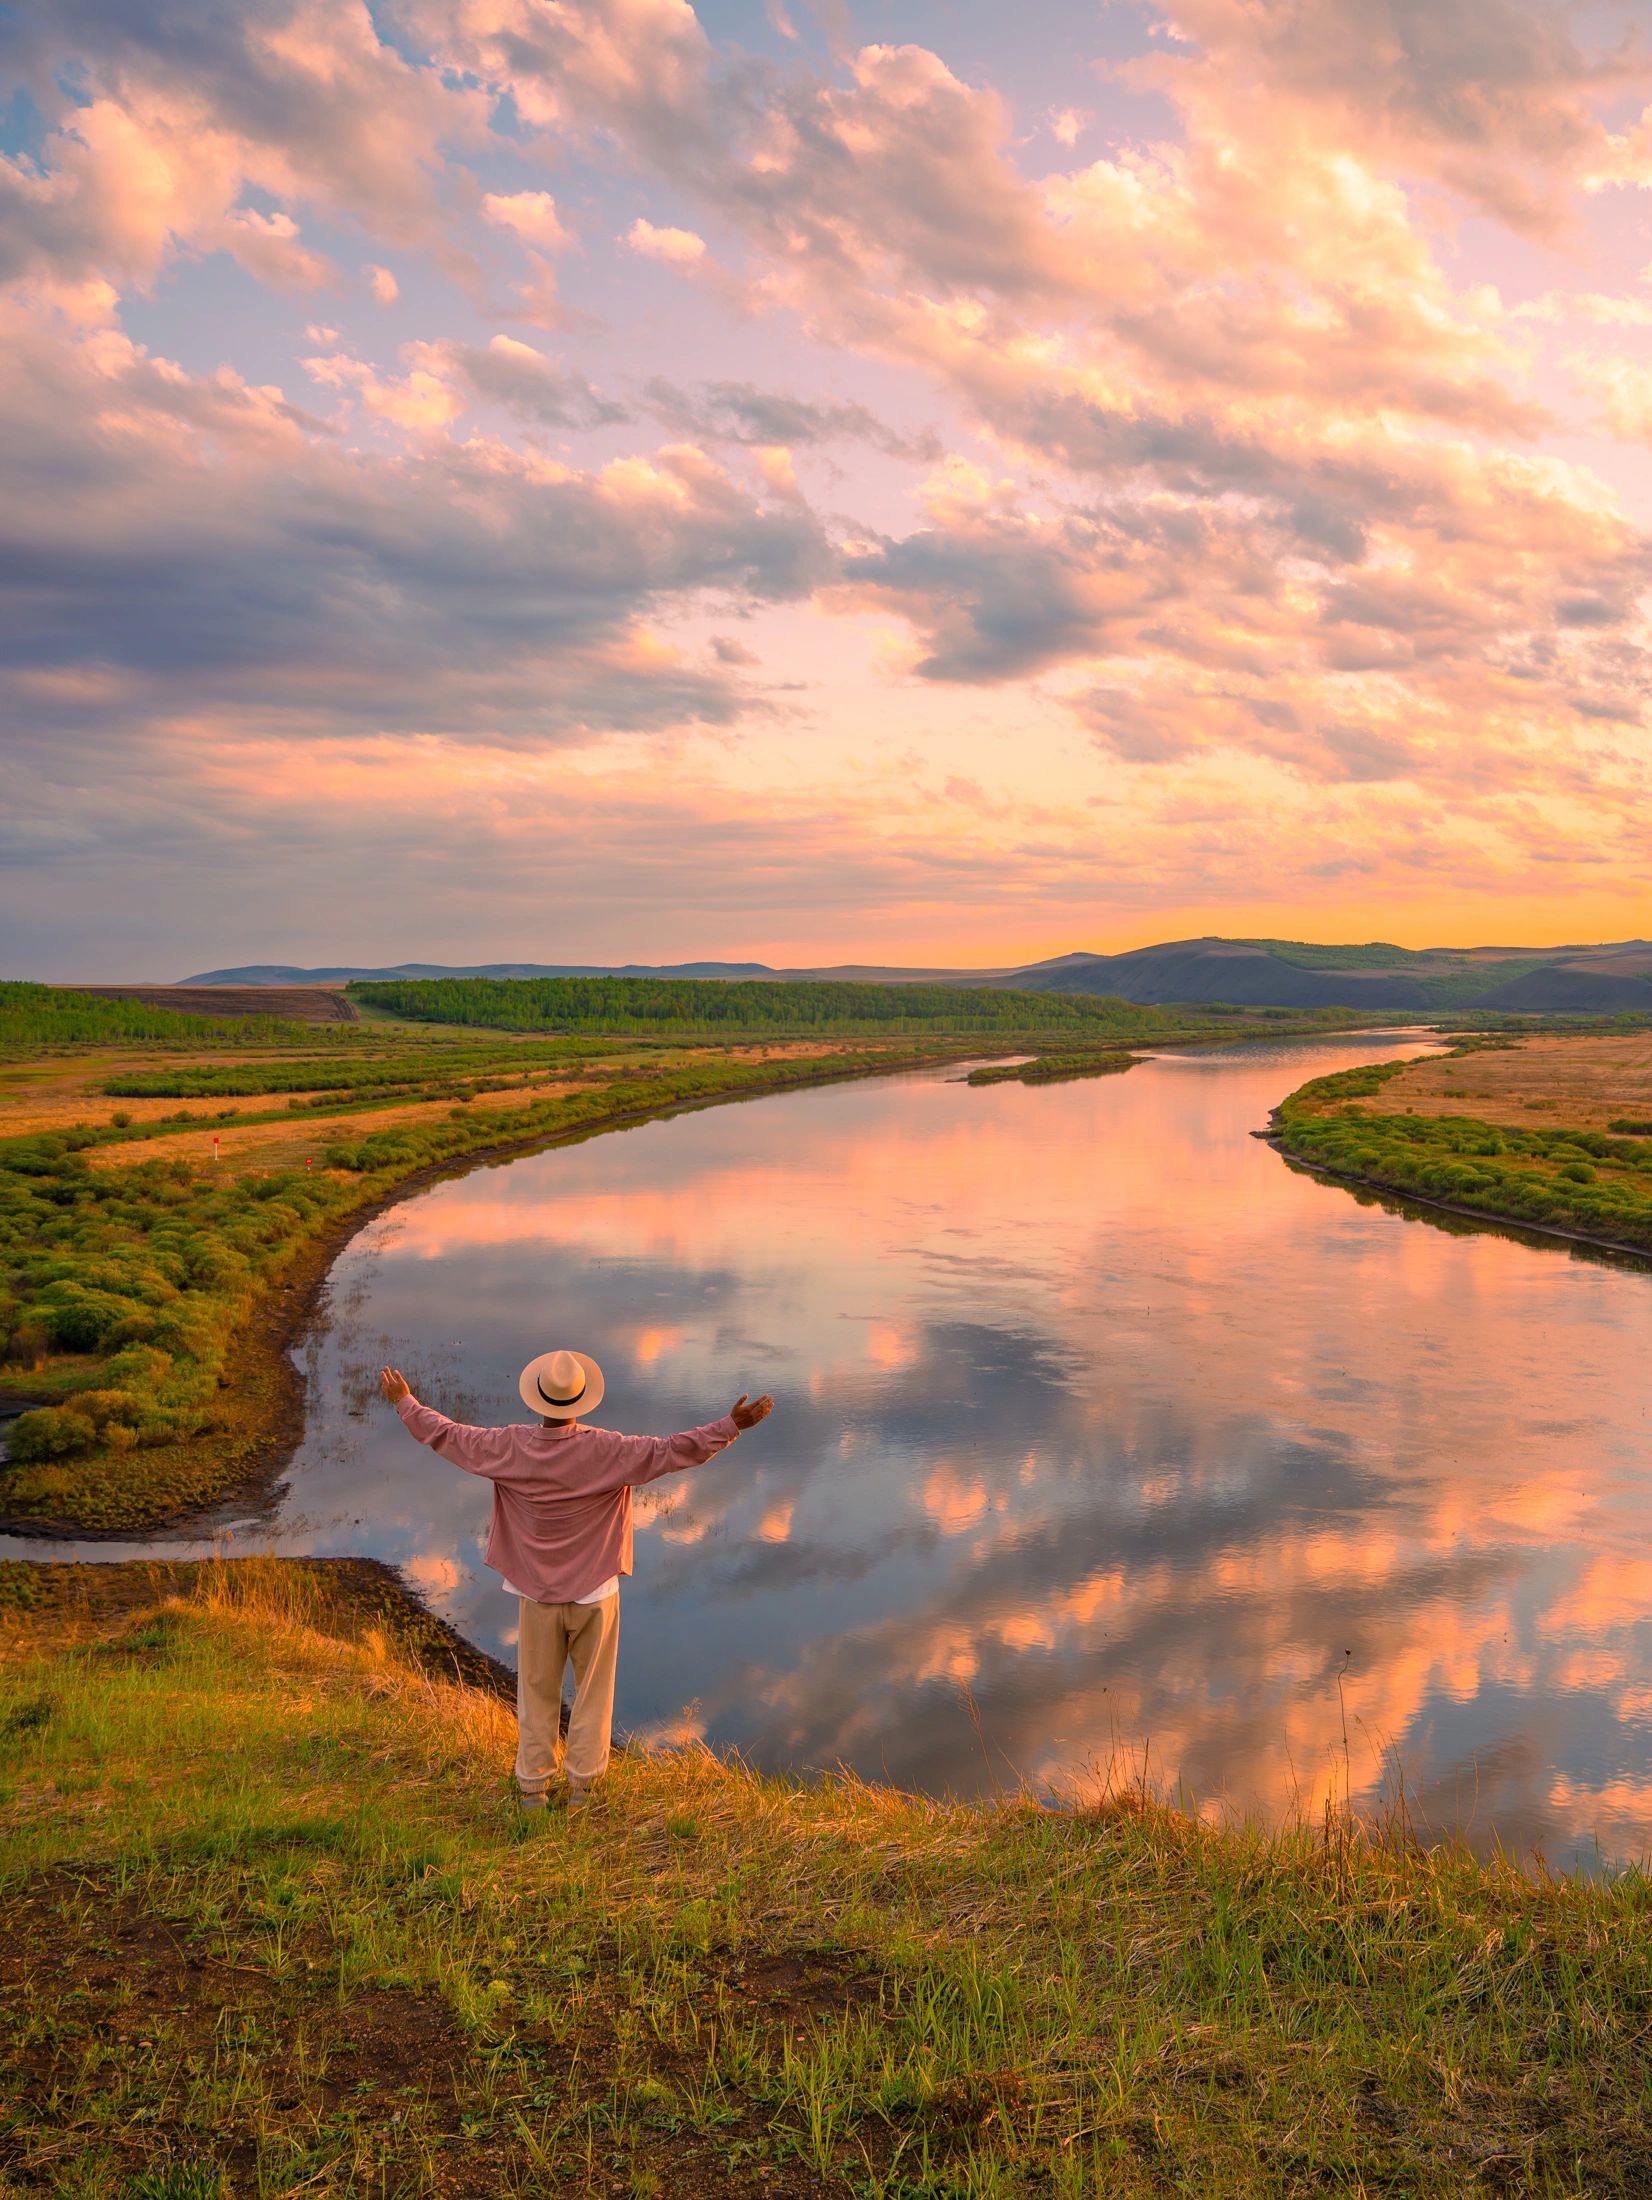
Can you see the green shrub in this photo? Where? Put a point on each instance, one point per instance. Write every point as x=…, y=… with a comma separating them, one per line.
x=25, y=1345
x=50, y=1432
x=80, y=1324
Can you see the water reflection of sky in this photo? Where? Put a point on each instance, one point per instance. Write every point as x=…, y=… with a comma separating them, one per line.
x=1090, y=1411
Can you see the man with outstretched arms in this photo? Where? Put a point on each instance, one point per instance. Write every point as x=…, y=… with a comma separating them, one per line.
x=561, y=1538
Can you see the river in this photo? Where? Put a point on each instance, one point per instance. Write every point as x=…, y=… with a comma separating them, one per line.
x=1106, y=1446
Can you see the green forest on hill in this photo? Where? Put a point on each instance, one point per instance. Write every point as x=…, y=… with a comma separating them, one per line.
x=815, y=1006
x=34, y=1016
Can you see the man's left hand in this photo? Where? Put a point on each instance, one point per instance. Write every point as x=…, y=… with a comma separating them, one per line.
x=395, y=1385
x=747, y=1412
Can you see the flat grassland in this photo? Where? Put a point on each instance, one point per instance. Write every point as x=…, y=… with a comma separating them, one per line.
x=1549, y=1130
x=174, y=1186
x=271, y=1923
x=1590, y=1081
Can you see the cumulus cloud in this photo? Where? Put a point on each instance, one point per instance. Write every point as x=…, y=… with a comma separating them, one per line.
x=1463, y=638
x=181, y=106
x=1494, y=98
x=445, y=379
x=677, y=247
x=531, y=214
x=505, y=371
x=204, y=548
x=1621, y=390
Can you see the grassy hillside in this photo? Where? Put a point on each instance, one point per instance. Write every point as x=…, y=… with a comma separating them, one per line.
x=1374, y=976
x=273, y=1925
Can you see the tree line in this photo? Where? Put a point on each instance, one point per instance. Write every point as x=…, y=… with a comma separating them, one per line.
x=641, y=1005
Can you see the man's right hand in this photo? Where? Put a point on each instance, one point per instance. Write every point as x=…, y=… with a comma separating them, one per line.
x=747, y=1412
x=395, y=1385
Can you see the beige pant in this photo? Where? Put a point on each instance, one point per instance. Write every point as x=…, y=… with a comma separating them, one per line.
x=551, y=1634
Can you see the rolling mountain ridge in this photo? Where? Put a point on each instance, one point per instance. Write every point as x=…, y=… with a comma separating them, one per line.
x=1584, y=979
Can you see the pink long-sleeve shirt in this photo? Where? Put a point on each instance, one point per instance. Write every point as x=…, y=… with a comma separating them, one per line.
x=561, y=1496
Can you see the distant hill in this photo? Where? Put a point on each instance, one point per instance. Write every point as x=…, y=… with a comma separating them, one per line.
x=1373, y=976
x=342, y=973
x=1226, y=970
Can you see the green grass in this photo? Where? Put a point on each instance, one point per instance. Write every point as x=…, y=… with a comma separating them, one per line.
x=1349, y=955
x=274, y=1925
x=1587, y=1182
x=1053, y=1069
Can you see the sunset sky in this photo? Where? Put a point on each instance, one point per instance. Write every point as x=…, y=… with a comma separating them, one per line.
x=501, y=479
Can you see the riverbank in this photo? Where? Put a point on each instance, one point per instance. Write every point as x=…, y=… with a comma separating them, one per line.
x=272, y=1922
x=1398, y=1128
x=157, y=1264
x=221, y=1362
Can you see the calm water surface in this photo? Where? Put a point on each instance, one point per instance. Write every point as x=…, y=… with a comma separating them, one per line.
x=1100, y=1434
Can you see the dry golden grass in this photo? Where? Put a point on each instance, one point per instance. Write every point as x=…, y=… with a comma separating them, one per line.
x=1584, y=1082
x=283, y=1145
x=58, y=1093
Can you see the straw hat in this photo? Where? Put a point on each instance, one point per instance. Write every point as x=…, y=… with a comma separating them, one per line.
x=563, y=1384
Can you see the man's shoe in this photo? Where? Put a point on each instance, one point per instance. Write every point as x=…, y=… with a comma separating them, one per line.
x=532, y=1799
x=581, y=1795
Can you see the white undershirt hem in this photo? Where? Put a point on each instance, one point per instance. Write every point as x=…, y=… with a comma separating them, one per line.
x=609, y=1588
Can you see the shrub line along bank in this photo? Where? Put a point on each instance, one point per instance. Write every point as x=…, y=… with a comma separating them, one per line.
x=1589, y=1186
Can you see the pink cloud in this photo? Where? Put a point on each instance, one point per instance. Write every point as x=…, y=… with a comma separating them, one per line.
x=677, y=247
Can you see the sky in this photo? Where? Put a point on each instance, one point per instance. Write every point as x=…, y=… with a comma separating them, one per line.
x=585, y=480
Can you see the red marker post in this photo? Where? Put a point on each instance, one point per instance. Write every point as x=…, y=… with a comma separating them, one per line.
x=215, y=1153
